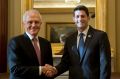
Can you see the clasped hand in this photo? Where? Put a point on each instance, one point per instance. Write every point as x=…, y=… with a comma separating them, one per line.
x=49, y=70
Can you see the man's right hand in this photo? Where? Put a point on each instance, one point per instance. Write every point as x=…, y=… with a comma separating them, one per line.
x=49, y=70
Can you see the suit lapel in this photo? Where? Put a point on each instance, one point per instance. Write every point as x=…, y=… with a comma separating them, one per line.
x=29, y=46
x=74, y=44
x=41, y=50
x=87, y=41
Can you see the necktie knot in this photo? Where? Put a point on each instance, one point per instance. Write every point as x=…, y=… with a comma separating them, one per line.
x=34, y=39
x=35, y=42
x=81, y=35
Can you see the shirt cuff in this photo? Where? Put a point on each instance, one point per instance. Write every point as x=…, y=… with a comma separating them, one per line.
x=40, y=70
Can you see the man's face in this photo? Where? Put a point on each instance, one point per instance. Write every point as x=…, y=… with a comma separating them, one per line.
x=32, y=23
x=81, y=19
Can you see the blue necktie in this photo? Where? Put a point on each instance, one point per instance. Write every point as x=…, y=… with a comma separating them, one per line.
x=81, y=45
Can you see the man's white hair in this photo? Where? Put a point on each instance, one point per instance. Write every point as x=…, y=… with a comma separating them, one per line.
x=31, y=11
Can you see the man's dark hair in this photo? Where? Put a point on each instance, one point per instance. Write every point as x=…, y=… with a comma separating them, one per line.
x=82, y=7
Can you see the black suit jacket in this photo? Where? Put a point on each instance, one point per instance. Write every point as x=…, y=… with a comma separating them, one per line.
x=22, y=59
x=96, y=61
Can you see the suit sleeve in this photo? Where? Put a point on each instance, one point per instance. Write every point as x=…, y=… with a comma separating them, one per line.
x=16, y=66
x=48, y=57
x=105, y=57
x=64, y=64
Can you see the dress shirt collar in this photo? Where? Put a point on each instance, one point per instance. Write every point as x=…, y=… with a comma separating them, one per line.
x=31, y=37
x=84, y=32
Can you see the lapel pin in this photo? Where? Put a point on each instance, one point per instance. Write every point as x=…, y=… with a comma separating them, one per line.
x=89, y=36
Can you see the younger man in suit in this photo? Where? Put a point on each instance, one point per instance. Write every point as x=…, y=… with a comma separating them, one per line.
x=87, y=52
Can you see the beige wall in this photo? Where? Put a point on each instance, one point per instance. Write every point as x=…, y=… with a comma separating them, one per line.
x=118, y=33
x=14, y=18
x=111, y=28
x=111, y=23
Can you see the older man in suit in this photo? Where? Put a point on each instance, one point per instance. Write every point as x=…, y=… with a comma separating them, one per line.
x=28, y=53
x=87, y=52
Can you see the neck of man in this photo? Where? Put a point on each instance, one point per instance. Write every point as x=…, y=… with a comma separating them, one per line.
x=80, y=29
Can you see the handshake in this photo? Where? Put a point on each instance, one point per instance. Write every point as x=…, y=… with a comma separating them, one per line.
x=49, y=70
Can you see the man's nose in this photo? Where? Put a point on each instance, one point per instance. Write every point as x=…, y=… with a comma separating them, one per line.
x=33, y=23
x=79, y=18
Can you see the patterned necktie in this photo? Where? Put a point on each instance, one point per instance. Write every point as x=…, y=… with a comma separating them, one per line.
x=37, y=50
x=81, y=45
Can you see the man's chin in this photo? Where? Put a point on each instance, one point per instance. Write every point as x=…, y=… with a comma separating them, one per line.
x=79, y=26
x=34, y=34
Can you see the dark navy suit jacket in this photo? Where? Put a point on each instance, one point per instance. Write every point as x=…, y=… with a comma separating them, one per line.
x=96, y=60
x=22, y=59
